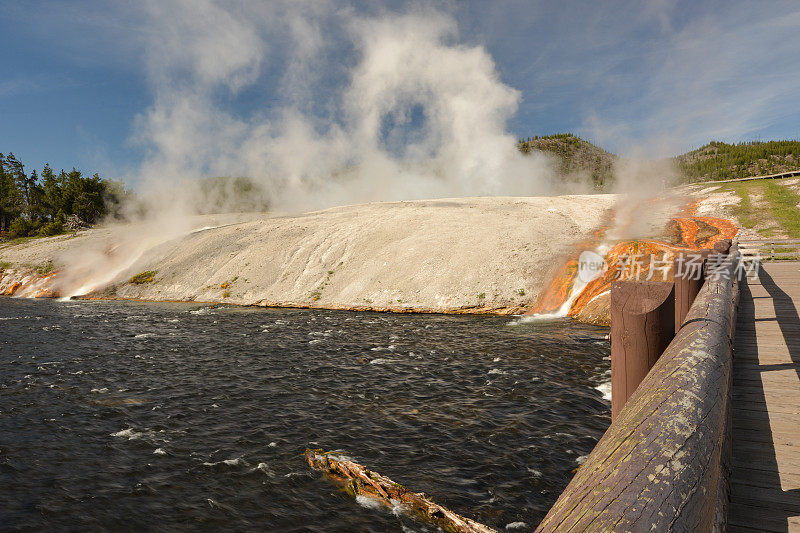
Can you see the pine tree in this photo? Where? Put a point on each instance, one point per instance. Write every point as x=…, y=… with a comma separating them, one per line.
x=10, y=199
x=51, y=193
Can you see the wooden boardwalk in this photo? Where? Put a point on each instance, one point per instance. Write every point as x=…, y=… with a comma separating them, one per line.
x=765, y=483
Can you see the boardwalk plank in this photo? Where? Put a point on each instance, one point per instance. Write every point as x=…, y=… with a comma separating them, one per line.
x=748, y=518
x=774, y=498
x=761, y=477
x=765, y=482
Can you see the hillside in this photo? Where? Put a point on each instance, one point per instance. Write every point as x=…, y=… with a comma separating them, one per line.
x=719, y=160
x=577, y=156
x=714, y=161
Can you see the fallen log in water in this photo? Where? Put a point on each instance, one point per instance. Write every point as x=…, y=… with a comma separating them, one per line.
x=360, y=481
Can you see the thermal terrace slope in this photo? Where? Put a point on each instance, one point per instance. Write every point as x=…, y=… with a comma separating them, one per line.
x=450, y=255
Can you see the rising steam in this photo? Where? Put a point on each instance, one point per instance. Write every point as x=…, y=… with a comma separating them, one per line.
x=414, y=114
x=408, y=113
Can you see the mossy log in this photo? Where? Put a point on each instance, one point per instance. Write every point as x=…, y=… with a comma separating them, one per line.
x=358, y=480
x=664, y=463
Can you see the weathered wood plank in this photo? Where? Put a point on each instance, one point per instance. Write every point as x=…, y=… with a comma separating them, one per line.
x=747, y=380
x=744, y=517
x=788, y=419
x=759, y=436
x=780, y=425
x=765, y=482
x=774, y=359
x=774, y=387
x=762, y=477
x=753, y=455
x=772, y=498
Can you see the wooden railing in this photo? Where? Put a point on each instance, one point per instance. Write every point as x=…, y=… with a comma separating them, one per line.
x=664, y=463
x=770, y=250
x=779, y=175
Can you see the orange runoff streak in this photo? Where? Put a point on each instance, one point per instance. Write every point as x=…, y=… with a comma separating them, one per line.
x=560, y=287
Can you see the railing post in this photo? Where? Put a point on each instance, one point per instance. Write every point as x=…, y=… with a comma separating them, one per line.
x=642, y=326
x=722, y=247
x=689, y=278
x=662, y=465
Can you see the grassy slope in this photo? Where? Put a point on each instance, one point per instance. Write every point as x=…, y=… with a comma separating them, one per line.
x=767, y=206
x=784, y=204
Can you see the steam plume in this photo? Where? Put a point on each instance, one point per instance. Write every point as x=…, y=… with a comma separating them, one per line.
x=410, y=114
x=416, y=115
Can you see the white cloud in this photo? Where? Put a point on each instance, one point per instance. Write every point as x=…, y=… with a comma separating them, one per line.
x=19, y=85
x=727, y=74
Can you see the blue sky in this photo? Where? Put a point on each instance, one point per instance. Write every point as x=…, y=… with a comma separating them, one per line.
x=96, y=84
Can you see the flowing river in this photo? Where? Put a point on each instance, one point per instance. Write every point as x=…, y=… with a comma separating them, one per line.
x=156, y=416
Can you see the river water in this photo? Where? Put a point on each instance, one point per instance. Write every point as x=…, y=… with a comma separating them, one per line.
x=154, y=416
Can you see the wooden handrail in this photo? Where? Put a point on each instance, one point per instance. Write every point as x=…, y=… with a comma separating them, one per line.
x=780, y=175
x=788, y=243
x=664, y=463
x=769, y=249
x=757, y=241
